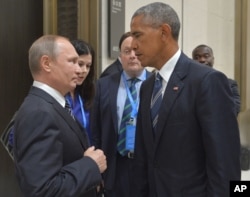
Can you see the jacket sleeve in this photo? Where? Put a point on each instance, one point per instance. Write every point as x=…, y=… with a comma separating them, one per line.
x=220, y=133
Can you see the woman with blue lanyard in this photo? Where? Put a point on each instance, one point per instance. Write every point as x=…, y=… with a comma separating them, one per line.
x=81, y=98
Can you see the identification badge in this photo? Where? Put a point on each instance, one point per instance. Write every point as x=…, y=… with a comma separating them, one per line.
x=130, y=135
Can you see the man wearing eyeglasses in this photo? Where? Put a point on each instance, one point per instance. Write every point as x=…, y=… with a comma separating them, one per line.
x=114, y=119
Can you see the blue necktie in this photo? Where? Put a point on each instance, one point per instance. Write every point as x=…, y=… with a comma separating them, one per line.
x=156, y=100
x=125, y=118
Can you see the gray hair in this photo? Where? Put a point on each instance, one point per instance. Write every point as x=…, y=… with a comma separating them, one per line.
x=45, y=45
x=158, y=13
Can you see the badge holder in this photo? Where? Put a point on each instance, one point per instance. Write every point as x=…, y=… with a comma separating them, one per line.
x=130, y=134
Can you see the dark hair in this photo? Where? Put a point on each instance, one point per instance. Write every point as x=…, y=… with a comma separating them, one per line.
x=202, y=46
x=123, y=37
x=87, y=88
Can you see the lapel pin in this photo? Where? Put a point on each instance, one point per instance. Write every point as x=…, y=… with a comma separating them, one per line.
x=175, y=88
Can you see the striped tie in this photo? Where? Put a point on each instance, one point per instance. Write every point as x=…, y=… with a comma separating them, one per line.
x=125, y=118
x=156, y=99
x=68, y=109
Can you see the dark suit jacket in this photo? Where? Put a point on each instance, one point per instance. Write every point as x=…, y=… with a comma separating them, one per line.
x=115, y=67
x=48, y=150
x=104, y=120
x=236, y=95
x=196, y=148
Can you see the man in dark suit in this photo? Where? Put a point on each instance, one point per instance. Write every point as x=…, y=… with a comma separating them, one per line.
x=51, y=149
x=109, y=121
x=204, y=54
x=115, y=67
x=191, y=146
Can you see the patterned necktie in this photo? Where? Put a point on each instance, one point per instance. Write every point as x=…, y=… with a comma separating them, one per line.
x=125, y=118
x=156, y=99
x=68, y=109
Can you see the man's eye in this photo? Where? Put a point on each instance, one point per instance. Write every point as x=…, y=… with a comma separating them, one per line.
x=127, y=52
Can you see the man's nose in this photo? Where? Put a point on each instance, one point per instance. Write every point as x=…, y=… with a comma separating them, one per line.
x=202, y=59
x=134, y=45
x=132, y=54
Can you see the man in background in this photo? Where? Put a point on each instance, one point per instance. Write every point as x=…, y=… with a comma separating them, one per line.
x=114, y=117
x=204, y=54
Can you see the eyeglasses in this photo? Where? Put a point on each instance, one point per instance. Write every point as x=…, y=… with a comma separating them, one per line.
x=127, y=52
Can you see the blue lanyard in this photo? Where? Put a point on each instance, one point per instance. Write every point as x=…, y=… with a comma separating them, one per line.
x=134, y=103
x=83, y=112
x=84, y=120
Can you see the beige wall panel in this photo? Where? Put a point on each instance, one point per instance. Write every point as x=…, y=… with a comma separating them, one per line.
x=211, y=22
x=248, y=60
x=244, y=116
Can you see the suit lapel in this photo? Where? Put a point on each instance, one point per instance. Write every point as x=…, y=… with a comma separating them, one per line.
x=145, y=111
x=78, y=130
x=113, y=88
x=173, y=91
x=74, y=125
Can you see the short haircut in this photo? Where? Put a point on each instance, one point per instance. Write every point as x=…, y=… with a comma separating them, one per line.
x=202, y=46
x=45, y=45
x=157, y=13
x=123, y=37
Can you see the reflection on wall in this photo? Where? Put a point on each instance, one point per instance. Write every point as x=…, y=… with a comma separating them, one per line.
x=116, y=19
x=67, y=18
x=60, y=17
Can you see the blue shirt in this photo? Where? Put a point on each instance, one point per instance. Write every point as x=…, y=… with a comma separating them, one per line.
x=81, y=114
x=122, y=94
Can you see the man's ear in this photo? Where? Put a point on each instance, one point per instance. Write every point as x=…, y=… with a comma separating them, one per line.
x=166, y=31
x=45, y=63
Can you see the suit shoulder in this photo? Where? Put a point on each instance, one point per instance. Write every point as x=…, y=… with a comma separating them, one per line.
x=106, y=80
x=232, y=81
x=112, y=68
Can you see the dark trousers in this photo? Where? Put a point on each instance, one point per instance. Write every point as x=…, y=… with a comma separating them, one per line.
x=123, y=178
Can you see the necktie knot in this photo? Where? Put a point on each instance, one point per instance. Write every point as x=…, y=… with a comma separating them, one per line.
x=68, y=109
x=67, y=105
x=133, y=81
x=158, y=77
x=132, y=87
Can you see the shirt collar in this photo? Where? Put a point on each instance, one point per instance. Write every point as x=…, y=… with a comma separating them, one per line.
x=141, y=77
x=169, y=66
x=51, y=91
